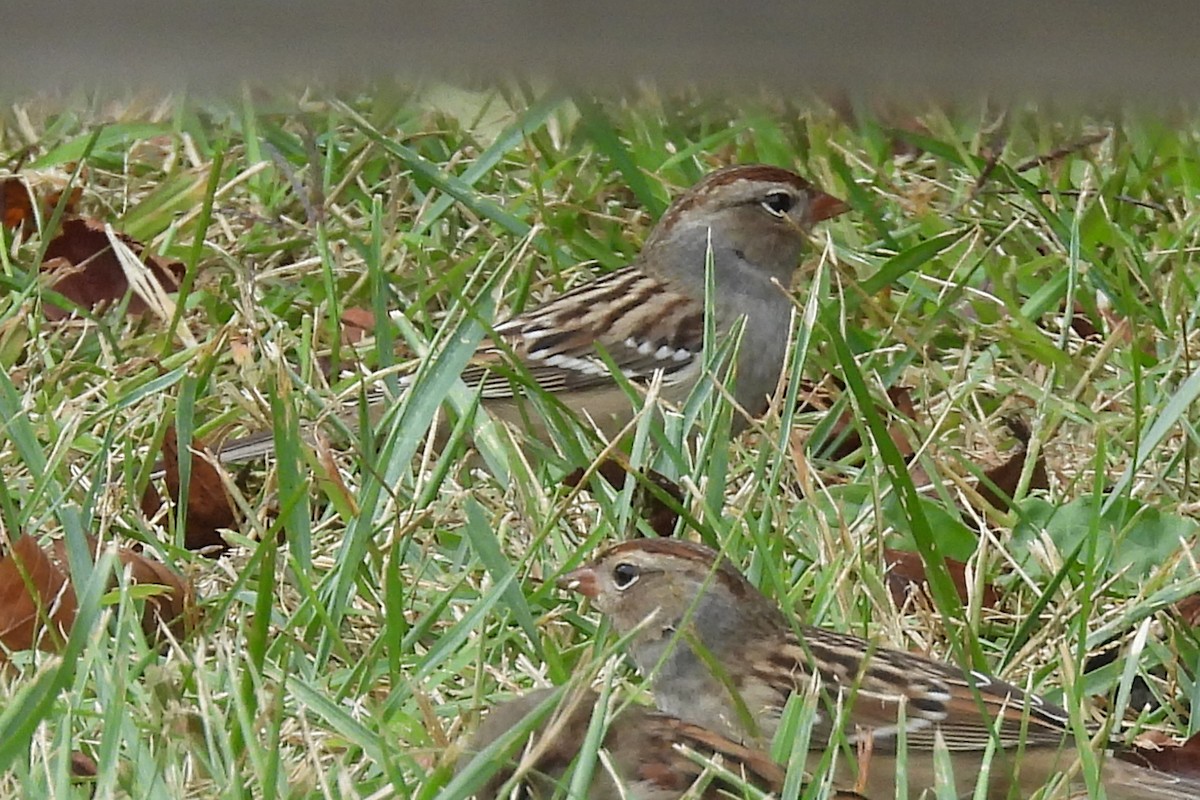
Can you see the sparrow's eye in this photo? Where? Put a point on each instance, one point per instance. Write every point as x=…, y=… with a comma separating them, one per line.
x=625, y=575
x=778, y=203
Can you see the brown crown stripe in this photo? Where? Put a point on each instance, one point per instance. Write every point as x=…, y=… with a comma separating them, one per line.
x=687, y=551
x=764, y=173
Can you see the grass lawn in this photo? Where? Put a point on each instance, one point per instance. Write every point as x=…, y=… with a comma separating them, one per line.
x=1031, y=262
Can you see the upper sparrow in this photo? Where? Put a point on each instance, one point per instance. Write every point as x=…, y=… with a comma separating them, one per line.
x=648, y=317
x=692, y=610
x=644, y=753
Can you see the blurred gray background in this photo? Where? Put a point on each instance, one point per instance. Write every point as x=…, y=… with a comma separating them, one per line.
x=1071, y=49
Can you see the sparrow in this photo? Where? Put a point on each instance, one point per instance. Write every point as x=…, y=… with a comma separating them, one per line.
x=721, y=655
x=751, y=222
x=645, y=754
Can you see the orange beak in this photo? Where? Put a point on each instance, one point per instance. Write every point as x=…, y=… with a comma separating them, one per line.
x=825, y=206
x=582, y=580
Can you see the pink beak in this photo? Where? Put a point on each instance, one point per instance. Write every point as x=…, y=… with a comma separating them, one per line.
x=582, y=580
x=825, y=206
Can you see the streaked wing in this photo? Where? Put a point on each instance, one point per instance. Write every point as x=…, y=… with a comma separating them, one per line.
x=935, y=695
x=641, y=324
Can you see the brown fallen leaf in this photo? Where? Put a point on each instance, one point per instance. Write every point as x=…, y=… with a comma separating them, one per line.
x=1006, y=477
x=331, y=481
x=87, y=271
x=209, y=507
x=654, y=509
x=1165, y=754
x=16, y=203
x=844, y=435
x=1081, y=323
x=24, y=614
x=1091, y=328
x=357, y=324
x=83, y=765
x=37, y=600
x=906, y=575
x=1188, y=610
x=169, y=608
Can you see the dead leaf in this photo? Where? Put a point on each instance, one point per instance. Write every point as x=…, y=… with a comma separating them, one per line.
x=167, y=608
x=1006, y=477
x=1122, y=330
x=331, y=481
x=1188, y=610
x=1140, y=694
x=209, y=508
x=88, y=273
x=901, y=397
x=241, y=351
x=24, y=613
x=83, y=765
x=1091, y=329
x=654, y=509
x=844, y=435
x=35, y=589
x=16, y=203
x=906, y=574
x=1161, y=752
x=71, y=206
x=1082, y=324
x=357, y=324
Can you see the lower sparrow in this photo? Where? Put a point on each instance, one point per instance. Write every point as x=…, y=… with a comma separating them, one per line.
x=645, y=754
x=722, y=655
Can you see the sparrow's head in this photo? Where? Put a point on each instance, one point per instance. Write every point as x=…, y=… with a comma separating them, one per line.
x=668, y=582
x=756, y=214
